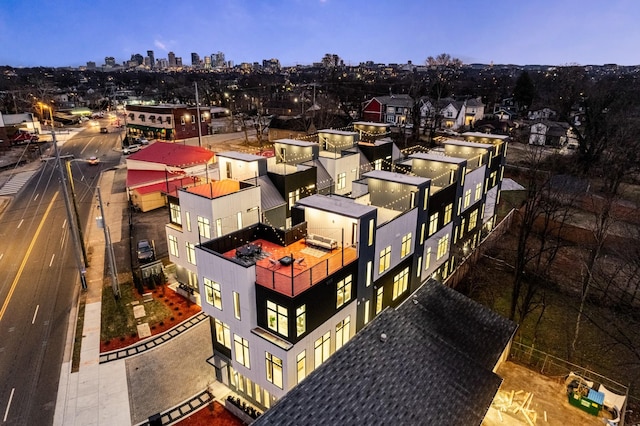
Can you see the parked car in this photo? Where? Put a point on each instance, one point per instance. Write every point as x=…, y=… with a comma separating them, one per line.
x=145, y=252
x=450, y=132
x=130, y=149
x=104, y=130
x=142, y=141
x=93, y=160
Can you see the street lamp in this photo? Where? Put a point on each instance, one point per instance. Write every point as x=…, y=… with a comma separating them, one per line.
x=70, y=219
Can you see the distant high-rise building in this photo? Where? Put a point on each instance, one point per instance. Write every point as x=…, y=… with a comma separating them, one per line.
x=331, y=60
x=172, y=60
x=271, y=64
x=195, y=60
x=162, y=64
x=178, y=61
x=152, y=59
x=207, y=62
x=136, y=59
x=217, y=60
x=109, y=61
x=91, y=65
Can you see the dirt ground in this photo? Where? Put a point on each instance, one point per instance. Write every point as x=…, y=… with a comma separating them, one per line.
x=549, y=401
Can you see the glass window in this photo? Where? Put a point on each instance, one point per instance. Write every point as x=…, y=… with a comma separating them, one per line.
x=427, y=259
x=371, y=229
x=343, y=291
x=173, y=245
x=223, y=334
x=274, y=369
x=369, y=272
x=467, y=198
x=473, y=219
x=277, y=318
x=204, y=227
x=419, y=267
x=478, y=191
x=367, y=308
x=239, y=219
x=377, y=164
x=212, y=292
x=443, y=246
x=301, y=320
x=405, y=248
x=342, y=181
x=294, y=196
x=236, y=304
x=379, y=294
x=448, y=210
x=174, y=210
x=433, y=224
x=301, y=365
x=342, y=332
x=218, y=227
x=191, y=253
x=322, y=349
x=242, y=350
x=187, y=217
x=400, y=283
x=422, y=227
x=385, y=259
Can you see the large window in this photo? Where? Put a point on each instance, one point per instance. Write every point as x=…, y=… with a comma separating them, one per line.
x=277, y=318
x=405, y=248
x=301, y=320
x=223, y=334
x=473, y=219
x=443, y=246
x=301, y=365
x=191, y=253
x=213, y=294
x=478, y=191
x=294, y=196
x=379, y=295
x=343, y=291
x=447, y=213
x=204, y=227
x=174, y=212
x=385, y=259
x=242, y=350
x=173, y=246
x=400, y=283
x=342, y=181
x=427, y=259
x=467, y=198
x=322, y=349
x=433, y=224
x=274, y=369
x=343, y=329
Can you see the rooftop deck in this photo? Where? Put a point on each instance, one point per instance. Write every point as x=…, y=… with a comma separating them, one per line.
x=292, y=269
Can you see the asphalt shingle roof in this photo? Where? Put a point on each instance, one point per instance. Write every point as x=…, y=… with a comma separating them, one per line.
x=433, y=368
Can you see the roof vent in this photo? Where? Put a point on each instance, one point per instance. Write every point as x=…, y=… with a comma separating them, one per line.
x=415, y=301
x=383, y=337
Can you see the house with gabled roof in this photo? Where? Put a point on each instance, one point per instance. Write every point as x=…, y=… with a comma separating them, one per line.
x=391, y=109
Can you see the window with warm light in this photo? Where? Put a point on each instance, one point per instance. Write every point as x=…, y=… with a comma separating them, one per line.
x=322, y=349
x=274, y=369
x=213, y=293
x=301, y=320
x=405, y=247
x=173, y=246
x=385, y=259
x=343, y=294
x=223, y=333
x=342, y=181
x=433, y=224
x=473, y=219
x=448, y=210
x=343, y=329
x=379, y=295
x=400, y=283
x=191, y=253
x=174, y=213
x=236, y=305
x=301, y=365
x=277, y=318
x=478, y=191
x=204, y=227
x=241, y=346
x=467, y=198
x=443, y=247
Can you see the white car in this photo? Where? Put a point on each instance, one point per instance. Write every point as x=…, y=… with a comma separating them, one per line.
x=450, y=132
x=142, y=141
x=131, y=149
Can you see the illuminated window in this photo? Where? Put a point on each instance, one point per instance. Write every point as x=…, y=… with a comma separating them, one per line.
x=462, y=224
x=478, y=190
x=400, y=283
x=174, y=212
x=369, y=273
x=342, y=332
x=187, y=217
x=212, y=292
x=294, y=196
x=301, y=320
x=191, y=253
x=342, y=181
x=301, y=365
x=379, y=294
x=473, y=219
x=343, y=291
x=427, y=259
x=274, y=369
x=493, y=177
x=385, y=259
x=223, y=334
x=242, y=350
x=204, y=227
x=467, y=198
x=433, y=224
x=236, y=305
x=218, y=227
x=173, y=245
x=367, y=308
x=322, y=349
x=371, y=229
x=422, y=228
x=443, y=246
x=405, y=247
x=277, y=318
x=447, y=213
x=377, y=164
x=419, y=267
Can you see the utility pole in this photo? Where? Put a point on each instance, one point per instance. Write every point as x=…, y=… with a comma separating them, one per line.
x=70, y=219
x=75, y=209
x=206, y=166
x=109, y=247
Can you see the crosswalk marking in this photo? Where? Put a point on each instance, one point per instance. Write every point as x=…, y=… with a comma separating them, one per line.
x=17, y=181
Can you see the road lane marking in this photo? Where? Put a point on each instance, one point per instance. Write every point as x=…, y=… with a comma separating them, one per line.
x=53, y=256
x=36, y=197
x=6, y=412
x=20, y=224
x=35, y=314
x=26, y=256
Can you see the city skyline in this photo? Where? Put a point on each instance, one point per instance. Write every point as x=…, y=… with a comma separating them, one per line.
x=302, y=32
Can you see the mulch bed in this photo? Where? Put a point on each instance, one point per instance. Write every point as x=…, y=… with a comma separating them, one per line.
x=181, y=308
x=216, y=416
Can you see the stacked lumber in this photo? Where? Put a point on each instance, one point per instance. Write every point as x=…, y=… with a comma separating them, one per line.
x=516, y=402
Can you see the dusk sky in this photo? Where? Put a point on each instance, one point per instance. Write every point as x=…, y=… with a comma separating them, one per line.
x=551, y=32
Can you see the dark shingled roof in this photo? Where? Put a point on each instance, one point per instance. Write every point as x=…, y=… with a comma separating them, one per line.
x=434, y=368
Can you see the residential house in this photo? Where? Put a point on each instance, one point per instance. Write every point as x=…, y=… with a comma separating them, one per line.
x=392, y=109
x=551, y=133
x=451, y=114
x=542, y=114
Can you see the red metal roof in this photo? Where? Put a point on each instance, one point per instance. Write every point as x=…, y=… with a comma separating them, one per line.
x=169, y=186
x=142, y=177
x=173, y=154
